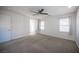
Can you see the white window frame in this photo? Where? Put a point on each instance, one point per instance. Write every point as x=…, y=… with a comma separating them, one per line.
x=64, y=27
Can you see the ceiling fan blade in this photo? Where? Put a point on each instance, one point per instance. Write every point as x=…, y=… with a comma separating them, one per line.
x=44, y=13
x=36, y=11
x=35, y=14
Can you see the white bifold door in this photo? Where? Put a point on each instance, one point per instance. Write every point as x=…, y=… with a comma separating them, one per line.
x=5, y=28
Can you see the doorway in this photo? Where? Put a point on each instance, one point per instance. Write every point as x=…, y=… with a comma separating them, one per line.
x=33, y=26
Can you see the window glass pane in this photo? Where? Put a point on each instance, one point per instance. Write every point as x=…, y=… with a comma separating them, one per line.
x=64, y=25
x=64, y=28
x=64, y=21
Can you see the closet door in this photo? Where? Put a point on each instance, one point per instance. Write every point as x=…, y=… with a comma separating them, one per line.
x=5, y=28
x=18, y=26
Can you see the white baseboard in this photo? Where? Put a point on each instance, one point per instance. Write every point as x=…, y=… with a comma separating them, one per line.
x=19, y=36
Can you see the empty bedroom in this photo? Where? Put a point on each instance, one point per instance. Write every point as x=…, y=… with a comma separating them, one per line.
x=39, y=29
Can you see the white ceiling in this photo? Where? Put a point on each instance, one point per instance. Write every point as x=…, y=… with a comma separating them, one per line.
x=55, y=10
x=51, y=10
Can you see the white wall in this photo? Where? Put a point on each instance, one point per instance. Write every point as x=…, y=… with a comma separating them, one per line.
x=19, y=23
x=52, y=26
x=77, y=28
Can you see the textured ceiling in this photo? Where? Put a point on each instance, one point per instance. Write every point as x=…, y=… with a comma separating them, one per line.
x=56, y=10
x=51, y=10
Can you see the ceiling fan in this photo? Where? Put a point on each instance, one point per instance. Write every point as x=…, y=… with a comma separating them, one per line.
x=40, y=12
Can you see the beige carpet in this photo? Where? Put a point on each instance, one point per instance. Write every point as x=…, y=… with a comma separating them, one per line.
x=39, y=44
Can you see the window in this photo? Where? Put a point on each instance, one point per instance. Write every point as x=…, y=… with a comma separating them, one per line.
x=42, y=23
x=64, y=25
